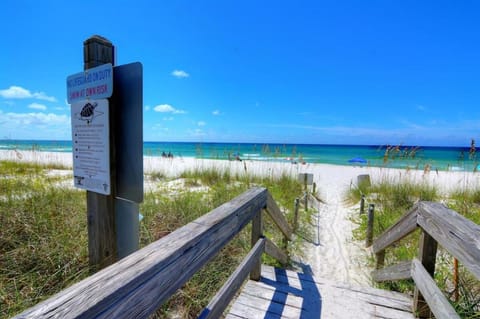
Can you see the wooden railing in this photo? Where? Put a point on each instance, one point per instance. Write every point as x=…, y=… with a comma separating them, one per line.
x=440, y=225
x=137, y=285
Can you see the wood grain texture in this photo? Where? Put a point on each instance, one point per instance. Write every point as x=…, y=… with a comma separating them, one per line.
x=399, y=271
x=273, y=251
x=257, y=233
x=287, y=294
x=135, y=286
x=102, y=239
x=277, y=217
x=438, y=303
x=223, y=297
x=403, y=227
x=427, y=254
x=455, y=233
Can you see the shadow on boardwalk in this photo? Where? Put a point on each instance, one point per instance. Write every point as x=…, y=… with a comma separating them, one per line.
x=287, y=294
x=311, y=305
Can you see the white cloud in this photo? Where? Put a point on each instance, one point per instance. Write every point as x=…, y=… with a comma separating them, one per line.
x=35, y=125
x=216, y=112
x=147, y=107
x=17, y=92
x=43, y=96
x=169, y=118
x=201, y=123
x=20, y=119
x=37, y=106
x=167, y=108
x=421, y=107
x=180, y=74
x=197, y=133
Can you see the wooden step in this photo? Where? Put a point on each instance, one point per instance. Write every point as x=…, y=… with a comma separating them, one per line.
x=287, y=294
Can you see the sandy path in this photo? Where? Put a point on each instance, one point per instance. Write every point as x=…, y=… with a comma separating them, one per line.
x=332, y=253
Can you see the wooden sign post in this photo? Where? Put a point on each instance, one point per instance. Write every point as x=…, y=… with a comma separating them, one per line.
x=113, y=198
x=102, y=248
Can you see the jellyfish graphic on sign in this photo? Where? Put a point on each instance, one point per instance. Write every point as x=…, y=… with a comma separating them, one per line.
x=88, y=112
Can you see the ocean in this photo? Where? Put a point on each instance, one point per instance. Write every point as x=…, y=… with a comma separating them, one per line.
x=411, y=157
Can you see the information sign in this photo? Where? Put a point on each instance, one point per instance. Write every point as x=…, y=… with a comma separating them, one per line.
x=91, y=147
x=305, y=178
x=95, y=83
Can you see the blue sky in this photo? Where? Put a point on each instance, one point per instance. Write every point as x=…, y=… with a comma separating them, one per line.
x=321, y=72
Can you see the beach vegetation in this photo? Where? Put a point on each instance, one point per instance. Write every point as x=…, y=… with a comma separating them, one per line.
x=43, y=243
x=392, y=199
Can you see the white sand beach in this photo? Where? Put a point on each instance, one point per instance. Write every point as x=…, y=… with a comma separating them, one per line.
x=332, y=253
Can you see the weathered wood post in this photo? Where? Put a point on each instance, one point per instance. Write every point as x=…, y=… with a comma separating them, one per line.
x=112, y=210
x=427, y=254
x=295, y=216
x=362, y=205
x=306, y=201
x=371, y=213
x=102, y=249
x=257, y=233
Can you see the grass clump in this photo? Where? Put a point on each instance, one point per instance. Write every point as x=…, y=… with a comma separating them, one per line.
x=43, y=243
x=392, y=200
x=167, y=212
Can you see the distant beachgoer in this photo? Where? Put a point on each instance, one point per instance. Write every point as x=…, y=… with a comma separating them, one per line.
x=426, y=169
x=170, y=155
x=164, y=154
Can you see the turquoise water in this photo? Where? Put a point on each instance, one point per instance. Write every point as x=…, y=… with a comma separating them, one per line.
x=441, y=158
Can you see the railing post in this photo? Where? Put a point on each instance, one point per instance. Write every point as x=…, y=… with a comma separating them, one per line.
x=257, y=233
x=306, y=201
x=371, y=213
x=295, y=216
x=362, y=205
x=380, y=257
x=427, y=254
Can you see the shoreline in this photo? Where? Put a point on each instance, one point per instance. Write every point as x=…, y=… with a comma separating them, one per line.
x=441, y=158
x=345, y=174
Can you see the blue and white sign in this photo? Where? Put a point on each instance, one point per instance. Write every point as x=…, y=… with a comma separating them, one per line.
x=95, y=83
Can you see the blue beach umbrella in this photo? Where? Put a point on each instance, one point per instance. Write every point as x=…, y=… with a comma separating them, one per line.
x=358, y=160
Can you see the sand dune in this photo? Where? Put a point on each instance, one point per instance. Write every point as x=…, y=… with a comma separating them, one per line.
x=331, y=253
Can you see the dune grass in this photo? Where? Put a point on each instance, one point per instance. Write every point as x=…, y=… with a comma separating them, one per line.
x=392, y=199
x=43, y=243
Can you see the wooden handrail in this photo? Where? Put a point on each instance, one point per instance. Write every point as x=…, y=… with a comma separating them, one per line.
x=277, y=216
x=439, y=305
x=221, y=300
x=403, y=227
x=458, y=235
x=137, y=285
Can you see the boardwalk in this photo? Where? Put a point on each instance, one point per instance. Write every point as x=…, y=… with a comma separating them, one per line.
x=287, y=294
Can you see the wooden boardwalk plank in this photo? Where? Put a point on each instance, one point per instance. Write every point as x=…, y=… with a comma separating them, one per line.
x=287, y=294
